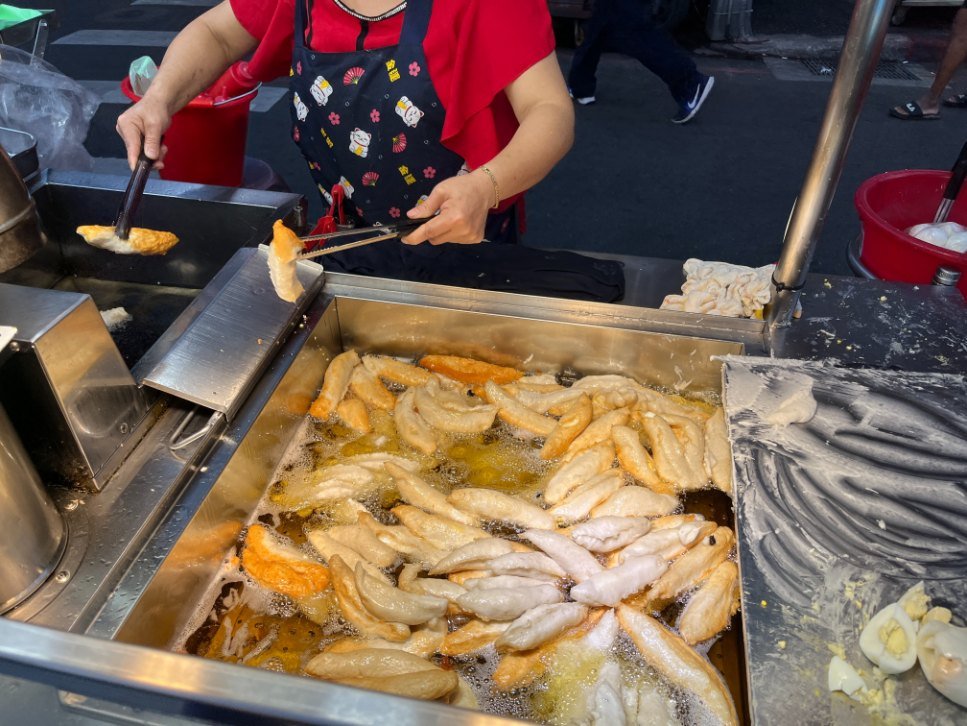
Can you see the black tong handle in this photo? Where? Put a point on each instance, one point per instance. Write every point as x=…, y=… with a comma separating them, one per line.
x=132, y=196
x=958, y=174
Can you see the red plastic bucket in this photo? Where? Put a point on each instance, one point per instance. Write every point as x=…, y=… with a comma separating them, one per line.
x=206, y=139
x=890, y=203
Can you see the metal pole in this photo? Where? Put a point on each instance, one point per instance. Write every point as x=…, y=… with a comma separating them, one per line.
x=857, y=61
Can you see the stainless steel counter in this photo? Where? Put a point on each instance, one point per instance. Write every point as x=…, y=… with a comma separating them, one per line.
x=127, y=532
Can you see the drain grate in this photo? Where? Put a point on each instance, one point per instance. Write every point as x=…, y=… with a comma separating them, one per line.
x=891, y=70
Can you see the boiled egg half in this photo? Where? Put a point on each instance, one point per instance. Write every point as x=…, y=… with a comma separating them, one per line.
x=890, y=640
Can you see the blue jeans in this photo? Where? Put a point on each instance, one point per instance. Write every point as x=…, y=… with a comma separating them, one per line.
x=625, y=26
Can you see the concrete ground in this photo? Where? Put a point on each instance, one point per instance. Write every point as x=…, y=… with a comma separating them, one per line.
x=720, y=187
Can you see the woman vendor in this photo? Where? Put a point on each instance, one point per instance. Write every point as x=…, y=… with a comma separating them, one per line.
x=445, y=111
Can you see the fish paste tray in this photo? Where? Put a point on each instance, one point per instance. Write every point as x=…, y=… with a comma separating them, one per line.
x=851, y=487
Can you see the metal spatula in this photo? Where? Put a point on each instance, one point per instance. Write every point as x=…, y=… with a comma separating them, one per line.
x=957, y=175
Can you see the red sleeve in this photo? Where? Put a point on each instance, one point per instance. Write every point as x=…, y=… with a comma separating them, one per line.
x=273, y=23
x=475, y=49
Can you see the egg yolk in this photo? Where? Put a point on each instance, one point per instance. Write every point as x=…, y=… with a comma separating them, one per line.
x=894, y=638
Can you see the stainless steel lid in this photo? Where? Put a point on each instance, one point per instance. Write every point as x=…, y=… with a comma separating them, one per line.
x=32, y=533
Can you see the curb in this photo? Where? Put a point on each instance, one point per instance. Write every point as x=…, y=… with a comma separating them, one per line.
x=918, y=46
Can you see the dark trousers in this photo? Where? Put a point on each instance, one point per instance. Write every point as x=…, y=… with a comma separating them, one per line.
x=625, y=26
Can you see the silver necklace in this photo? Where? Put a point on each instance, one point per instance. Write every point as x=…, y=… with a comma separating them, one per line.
x=371, y=18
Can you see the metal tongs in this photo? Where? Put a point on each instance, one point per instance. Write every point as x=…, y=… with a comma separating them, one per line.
x=957, y=174
x=382, y=233
x=132, y=197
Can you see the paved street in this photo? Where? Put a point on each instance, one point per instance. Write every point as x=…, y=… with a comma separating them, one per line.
x=718, y=188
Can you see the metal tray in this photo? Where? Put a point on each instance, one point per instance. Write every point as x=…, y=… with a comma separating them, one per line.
x=152, y=608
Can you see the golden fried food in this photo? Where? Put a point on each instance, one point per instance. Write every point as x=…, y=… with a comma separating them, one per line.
x=394, y=605
x=353, y=413
x=411, y=546
x=635, y=460
x=675, y=660
x=517, y=414
x=473, y=636
x=690, y=569
x=587, y=497
x=451, y=411
x=718, y=452
x=419, y=493
x=334, y=384
x=671, y=461
x=473, y=555
x=424, y=642
x=283, y=255
x=468, y=370
x=583, y=467
x=494, y=506
x=140, y=241
x=362, y=540
x=441, y=531
x=604, y=401
x=367, y=387
x=281, y=567
x=385, y=670
x=353, y=609
x=396, y=370
x=411, y=426
x=598, y=431
x=635, y=501
x=573, y=421
x=712, y=606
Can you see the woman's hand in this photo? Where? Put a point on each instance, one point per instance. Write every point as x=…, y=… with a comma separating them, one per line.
x=197, y=56
x=463, y=202
x=145, y=121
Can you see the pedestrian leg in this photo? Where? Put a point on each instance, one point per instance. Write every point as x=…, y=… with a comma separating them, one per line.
x=928, y=105
x=581, y=78
x=655, y=49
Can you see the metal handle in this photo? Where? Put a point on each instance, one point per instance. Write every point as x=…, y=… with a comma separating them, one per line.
x=861, y=51
x=349, y=245
x=399, y=228
x=957, y=174
x=132, y=196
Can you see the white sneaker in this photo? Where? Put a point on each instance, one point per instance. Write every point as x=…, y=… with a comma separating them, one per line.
x=582, y=100
x=687, y=111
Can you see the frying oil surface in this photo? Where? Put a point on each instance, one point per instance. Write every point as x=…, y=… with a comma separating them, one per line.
x=243, y=623
x=247, y=624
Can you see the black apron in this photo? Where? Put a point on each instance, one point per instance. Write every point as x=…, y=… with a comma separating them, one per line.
x=371, y=121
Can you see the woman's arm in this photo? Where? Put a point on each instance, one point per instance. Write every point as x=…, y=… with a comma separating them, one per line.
x=546, y=115
x=197, y=56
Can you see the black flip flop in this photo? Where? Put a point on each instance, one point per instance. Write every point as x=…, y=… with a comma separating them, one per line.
x=911, y=111
x=958, y=101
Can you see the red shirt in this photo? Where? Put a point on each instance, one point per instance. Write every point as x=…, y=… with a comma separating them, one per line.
x=474, y=49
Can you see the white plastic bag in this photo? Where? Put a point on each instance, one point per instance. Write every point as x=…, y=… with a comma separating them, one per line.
x=37, y=98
